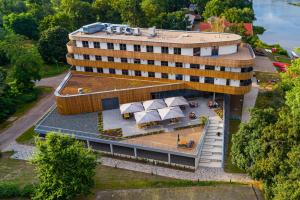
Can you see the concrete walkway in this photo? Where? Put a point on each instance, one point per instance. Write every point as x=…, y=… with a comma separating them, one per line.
x=24, y=152
x=249, y=100
x=19, y=126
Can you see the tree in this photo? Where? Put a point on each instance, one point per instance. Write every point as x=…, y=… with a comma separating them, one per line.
x=52, y=44
x=200, y=5
x=65, y=168
x=213, y=8
x=152, y=8
x=23, y=24
x=12, y=6
x=236, y=15
x=59, y=19
x=7, y=106
x=106, y=12
x=173, y=21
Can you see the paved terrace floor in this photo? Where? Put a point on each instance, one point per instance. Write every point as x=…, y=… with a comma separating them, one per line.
x=113, y=119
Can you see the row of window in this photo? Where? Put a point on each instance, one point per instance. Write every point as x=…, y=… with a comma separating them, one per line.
x=208, y=80
x=165, y=50
x=164, y=63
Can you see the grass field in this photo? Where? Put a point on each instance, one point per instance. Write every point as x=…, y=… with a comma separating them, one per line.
x=27, y=137
x=23, y=108
x=229, y=166
x=53, y=70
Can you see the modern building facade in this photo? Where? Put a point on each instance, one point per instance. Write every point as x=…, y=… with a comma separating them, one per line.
x=177, y=60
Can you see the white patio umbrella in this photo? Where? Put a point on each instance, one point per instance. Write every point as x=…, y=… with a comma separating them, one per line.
x=176, y=101
x=131, y=107
x=154, y=104
x=146, y=116
x=170, y=113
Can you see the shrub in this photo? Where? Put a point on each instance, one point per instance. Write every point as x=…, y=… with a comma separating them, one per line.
x=28, y=190
x=8, y=190
x=203, y=120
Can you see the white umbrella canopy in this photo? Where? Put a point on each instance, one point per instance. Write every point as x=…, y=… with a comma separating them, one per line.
x=176, y=101
x=170, y=113
x=131, y=107
x=146, y=116
x=154, y=104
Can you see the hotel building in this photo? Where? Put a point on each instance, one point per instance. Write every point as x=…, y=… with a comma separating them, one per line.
x=142, y=64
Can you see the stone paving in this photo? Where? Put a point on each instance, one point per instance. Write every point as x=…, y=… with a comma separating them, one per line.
x=24, y=152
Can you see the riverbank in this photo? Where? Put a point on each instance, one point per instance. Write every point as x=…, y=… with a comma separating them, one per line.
x=294, y=4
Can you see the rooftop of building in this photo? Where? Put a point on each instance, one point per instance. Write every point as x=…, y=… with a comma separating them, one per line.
x=165, y=36
x=91, y=84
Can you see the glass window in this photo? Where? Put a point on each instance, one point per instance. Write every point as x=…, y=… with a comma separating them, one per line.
x=195, y=66
x=197, y=51
x=97, y=45
x=164, y=75
x=110, y=59
x=88, y=69
x=177, y=51
x=125, y=72
x=85, y=43
x=222, y=69
x=209, y=80
x=100, y=70
x=86, y=57
x=122, y=46
x=112, y=71
x=151, y=74
x=124, y=60
x=98, y=57
x=137, y=73
x=164, y=63
x=209, y=67
x=137, y=61
x=110, y=46
x=227, y=81
x=194, y=78
x=149, y=48
x=179, y=77
x=150, y=62
x=245, y=82
x=178, y=64
x=137, y=47
x=215, y=51
x=164, y=50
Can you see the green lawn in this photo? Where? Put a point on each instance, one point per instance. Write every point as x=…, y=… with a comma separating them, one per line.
x=23, y=108
x=27, y=137
x=53, y=70
x=229, y=166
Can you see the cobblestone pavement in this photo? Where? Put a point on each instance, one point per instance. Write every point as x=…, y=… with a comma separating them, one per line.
x=24, y=152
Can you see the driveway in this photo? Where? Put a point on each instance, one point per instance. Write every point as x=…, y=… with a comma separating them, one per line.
x=26, y=121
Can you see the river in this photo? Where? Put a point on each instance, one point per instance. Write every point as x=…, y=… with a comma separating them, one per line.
x=281, y=21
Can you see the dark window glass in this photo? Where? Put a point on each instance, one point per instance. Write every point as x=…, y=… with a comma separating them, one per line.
x=137, y=61
x=195, y=66
x=137, y=73
x=122, y=46
x=112, y=71
x=245, y=82
x=164, y=75
x=178, y=64
x=197, y=51
x=164, y=50
x=88, y=69
x=85, y=43
x=110, y=46
x=125, y=72
x=149, y=48
x=151, y=74
x=164, y=63
x=194, y=78
x=124, y=60
x=209, y=67
x=98, y=57
x=100, y=70
x=215, y=51
x=227, y=81
x=222, y=69
x=150, y=62
x=177, y=51
x=86, y=57
x=178, y=77
x=247, y=69
x=137, y=47
x=97, y=45
x=209, y=80
x=110, y=59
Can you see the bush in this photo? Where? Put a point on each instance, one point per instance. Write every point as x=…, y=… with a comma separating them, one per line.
x=27, y=191
x=203, y=120
x=8, y=190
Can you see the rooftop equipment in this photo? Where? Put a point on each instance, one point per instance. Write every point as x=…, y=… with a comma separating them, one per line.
x=136, y=31
x=152, y=31
x=127, y=31
x=109, y=30
x=118, y=30
x=93, y=28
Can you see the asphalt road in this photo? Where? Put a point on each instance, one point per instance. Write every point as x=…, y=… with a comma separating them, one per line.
x=19, y=126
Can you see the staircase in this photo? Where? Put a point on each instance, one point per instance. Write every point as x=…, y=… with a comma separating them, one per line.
x=211, y=155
